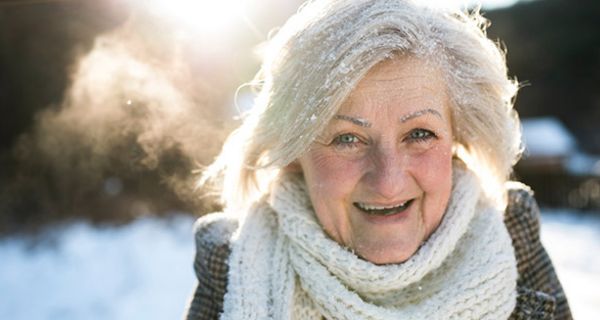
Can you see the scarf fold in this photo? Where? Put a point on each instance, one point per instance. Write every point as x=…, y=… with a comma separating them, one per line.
x=284, y=266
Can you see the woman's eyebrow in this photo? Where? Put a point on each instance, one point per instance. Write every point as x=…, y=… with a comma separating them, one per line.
x=356, y=121
x=419, y=113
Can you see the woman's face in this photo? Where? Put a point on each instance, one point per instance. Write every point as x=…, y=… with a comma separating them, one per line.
x=380, y=174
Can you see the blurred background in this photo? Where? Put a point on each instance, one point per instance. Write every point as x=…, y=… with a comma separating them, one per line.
x=110, y=108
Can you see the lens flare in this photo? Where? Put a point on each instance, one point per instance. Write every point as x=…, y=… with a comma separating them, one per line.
x=208, y=17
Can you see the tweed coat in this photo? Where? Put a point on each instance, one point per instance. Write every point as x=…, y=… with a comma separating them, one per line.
x=539, y=292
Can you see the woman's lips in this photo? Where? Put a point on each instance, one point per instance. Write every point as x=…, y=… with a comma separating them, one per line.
x=374, y=210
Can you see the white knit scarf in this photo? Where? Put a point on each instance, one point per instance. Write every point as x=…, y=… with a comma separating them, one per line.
x=283, y=265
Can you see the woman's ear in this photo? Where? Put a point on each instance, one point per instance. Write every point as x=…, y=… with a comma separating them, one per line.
x=293, y=167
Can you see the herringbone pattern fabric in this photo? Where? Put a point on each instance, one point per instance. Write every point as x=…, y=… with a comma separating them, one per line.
x=540, y=294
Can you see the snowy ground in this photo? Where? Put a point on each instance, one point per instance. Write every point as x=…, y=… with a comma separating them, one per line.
x=573, y=242
x=139, y=271
x=144, y=270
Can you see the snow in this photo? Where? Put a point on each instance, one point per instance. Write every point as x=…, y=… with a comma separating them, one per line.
x=547, y=137
x=144, y=270
x=139, y=271
x=580, y=163
x=573, y=243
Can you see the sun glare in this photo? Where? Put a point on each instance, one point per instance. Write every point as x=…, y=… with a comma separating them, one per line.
x=209, y=17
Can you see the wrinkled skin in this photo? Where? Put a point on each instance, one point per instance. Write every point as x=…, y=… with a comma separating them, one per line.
x=390, y=145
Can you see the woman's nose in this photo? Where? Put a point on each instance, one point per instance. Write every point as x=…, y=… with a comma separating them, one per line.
x=387, y=176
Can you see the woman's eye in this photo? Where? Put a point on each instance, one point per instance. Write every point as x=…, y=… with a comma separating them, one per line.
x=419, y=135
x=346, y=139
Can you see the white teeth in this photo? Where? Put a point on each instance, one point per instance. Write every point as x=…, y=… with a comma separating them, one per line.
x=365, y=206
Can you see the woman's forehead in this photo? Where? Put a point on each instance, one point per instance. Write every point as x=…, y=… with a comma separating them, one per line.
x=405, y=73
x=405, y=82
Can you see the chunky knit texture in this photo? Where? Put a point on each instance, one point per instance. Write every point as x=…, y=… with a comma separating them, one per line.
x=283, y=266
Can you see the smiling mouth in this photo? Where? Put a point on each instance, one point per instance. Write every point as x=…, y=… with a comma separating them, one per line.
x=382, y=210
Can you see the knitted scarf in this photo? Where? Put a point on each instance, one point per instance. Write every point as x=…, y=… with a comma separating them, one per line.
x=283, y=266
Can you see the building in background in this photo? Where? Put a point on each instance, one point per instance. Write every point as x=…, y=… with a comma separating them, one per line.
x=556, y=167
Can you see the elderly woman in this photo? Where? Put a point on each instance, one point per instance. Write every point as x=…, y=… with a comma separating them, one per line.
x=369, y=181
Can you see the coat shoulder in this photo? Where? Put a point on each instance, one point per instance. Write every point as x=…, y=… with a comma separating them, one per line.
x=539, y=292
x=213, y=234
x=521, y=201
x=214, y=229
x=522, y=217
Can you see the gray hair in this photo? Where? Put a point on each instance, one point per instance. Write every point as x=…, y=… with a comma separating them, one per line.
x=317, y=58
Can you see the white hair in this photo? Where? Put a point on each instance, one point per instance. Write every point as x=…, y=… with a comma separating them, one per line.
x=317, y=58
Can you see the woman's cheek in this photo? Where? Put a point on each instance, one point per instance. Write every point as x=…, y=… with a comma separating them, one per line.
x=332, y=167
x=433, y=167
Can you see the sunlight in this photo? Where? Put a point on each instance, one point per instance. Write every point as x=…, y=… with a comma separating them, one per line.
x=209, y=17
